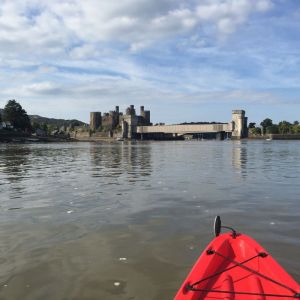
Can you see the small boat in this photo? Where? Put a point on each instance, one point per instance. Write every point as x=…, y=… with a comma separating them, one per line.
x=120, y=139
x=234, y=266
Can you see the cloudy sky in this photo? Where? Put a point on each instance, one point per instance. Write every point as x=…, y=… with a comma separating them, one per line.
x=192, y=60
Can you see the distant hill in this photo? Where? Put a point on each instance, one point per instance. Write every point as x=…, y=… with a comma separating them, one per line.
x=55, y=122
x=52, y=121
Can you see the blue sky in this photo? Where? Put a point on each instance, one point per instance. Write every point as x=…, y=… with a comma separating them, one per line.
x=184, y=60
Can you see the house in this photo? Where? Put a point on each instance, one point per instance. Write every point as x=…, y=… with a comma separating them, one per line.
x=6, y=125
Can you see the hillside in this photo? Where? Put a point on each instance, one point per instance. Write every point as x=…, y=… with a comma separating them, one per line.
x=55, y=122
x=52, y=121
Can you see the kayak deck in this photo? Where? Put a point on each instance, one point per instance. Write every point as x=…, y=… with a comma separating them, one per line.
x=237, y=267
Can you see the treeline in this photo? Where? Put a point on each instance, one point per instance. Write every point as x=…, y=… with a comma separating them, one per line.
x=16, y=118
x=51, y=125
x=268, y=127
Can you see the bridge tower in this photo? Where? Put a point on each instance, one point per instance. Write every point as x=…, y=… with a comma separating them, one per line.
x=239, y=125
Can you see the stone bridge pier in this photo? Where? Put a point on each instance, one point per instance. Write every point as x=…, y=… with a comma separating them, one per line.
x=239, y=125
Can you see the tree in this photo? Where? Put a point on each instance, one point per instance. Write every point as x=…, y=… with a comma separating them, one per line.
x=252, y=125
x=45, y=127
x=51, y=128
x=16, y=115
x=284, y=127
x=255, y=131
x=35, y=125
x=296, y=128
x=266, y=123
x=272, y=129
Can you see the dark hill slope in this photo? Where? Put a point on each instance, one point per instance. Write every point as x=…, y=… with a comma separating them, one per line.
x=55, y=122
x=52, y=121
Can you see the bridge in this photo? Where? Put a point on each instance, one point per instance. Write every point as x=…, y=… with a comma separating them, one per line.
x=236, y=129
x=185, y=129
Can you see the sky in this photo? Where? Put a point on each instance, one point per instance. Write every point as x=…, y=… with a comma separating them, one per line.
x=192, y=60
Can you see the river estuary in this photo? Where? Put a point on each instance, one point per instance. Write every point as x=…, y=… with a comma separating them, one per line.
x=125, y=220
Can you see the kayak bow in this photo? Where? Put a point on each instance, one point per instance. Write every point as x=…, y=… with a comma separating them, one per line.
x=234, y=266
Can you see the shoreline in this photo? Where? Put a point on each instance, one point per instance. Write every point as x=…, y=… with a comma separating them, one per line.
x=278, y=137
x=11, y=139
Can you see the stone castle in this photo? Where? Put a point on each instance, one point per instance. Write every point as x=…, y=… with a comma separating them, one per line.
x=133, y=126
x=112, y=120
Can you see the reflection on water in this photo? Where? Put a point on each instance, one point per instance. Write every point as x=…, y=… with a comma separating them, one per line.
x=14, y=168
x=14, y=162
x=239, y=157
x=112, y=160
x=128, y=220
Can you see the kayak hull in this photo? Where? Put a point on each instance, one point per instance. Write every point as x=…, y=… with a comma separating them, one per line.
x=237, y=267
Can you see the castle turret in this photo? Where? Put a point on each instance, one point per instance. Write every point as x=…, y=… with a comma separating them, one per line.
x=142, y=109
x=147, y=117
x=130, y=110
x=95, y=120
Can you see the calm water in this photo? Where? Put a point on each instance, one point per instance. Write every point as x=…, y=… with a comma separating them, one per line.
x=128, y=220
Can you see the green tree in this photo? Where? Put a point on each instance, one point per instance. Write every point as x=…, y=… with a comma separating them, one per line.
x=51, y=128
x=296, y=128
x=16, y=115
x=255, y=131
x=284, y=127
x=266, y=123
x=35, y=125
x=272, y=129
x=45, y=127
x=252, y=125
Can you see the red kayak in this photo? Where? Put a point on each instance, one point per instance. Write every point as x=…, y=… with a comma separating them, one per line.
x=234, y=266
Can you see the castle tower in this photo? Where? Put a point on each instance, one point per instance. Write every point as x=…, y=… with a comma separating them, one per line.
x=95, y=120
x=239, y=124
x=145, y=114
x=130, y=110
x=147, y=117
x=142, y=109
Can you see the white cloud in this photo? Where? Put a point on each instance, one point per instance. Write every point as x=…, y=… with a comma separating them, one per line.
x=264, y=5
x=83, y=52
x=53, y=27
x=69, y=50
x=229, y=14
x=226, y=26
